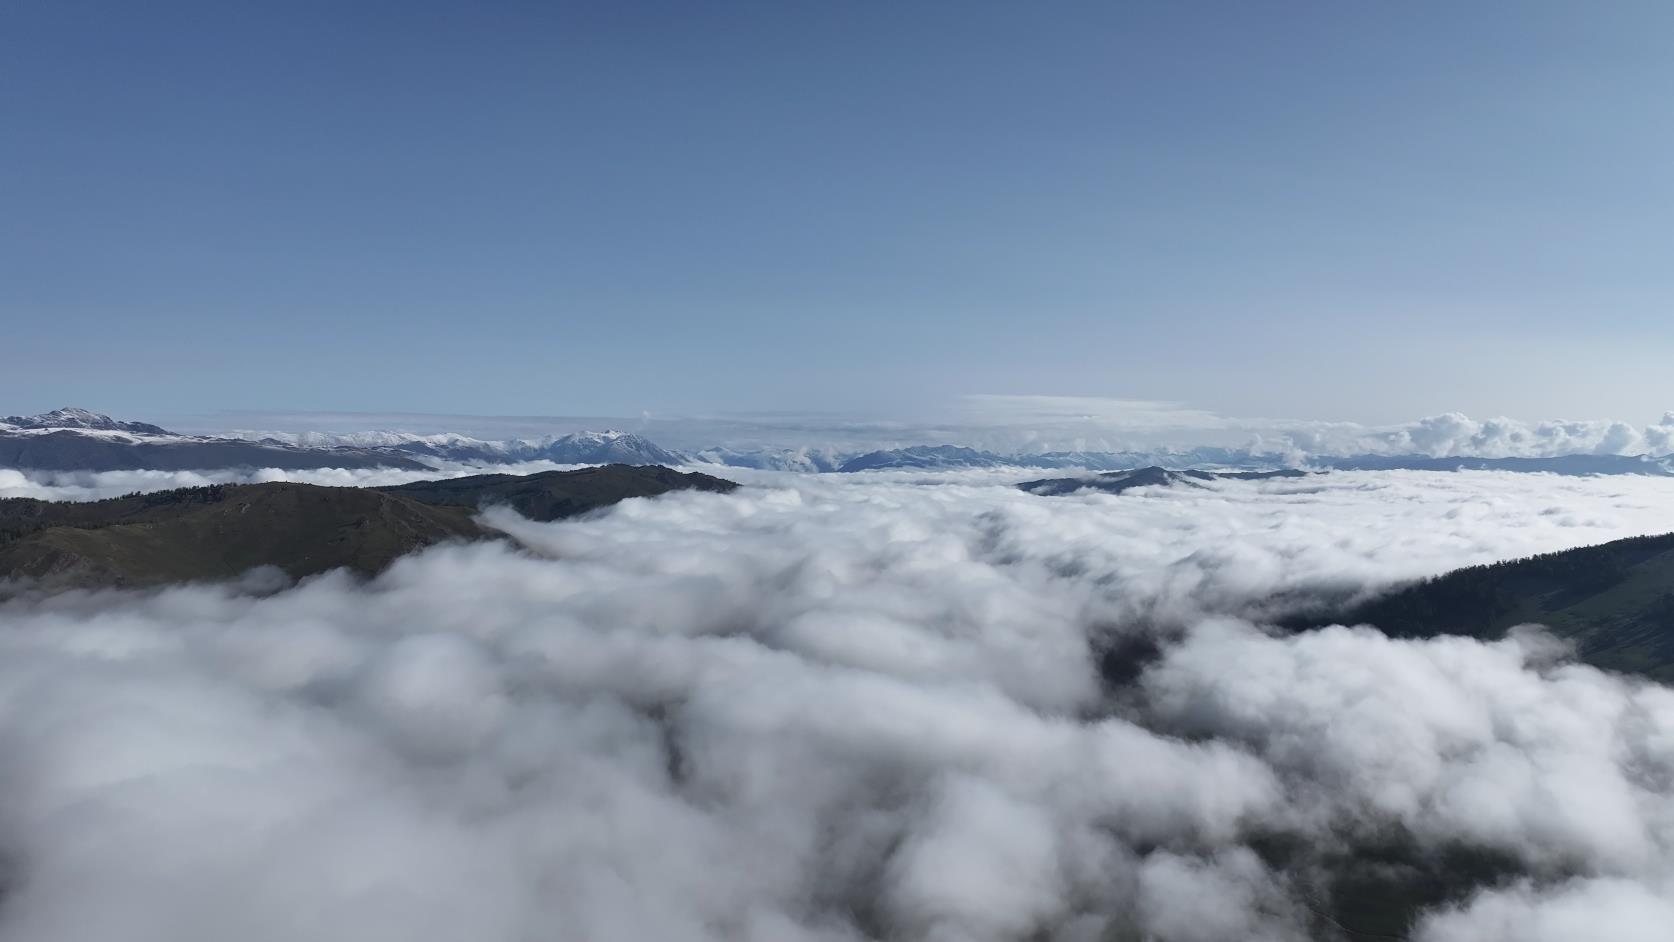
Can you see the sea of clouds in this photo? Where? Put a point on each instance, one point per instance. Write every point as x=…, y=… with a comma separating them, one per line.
x=840, y=708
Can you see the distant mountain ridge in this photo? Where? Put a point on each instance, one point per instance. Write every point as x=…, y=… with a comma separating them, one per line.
x=920, y=457
x=1116, y=482
x=71, y=439
x=96, y=450
x=69, y=417
x=607, y=447
x=951, y=457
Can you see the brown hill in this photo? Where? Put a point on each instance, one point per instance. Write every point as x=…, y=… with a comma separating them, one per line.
x=209, y=534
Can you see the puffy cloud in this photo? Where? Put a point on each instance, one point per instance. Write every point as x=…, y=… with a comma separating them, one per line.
x=1606, y=908
x=1453, y=434
x=834, y=709
x=1453, y=738
x=1659, y=438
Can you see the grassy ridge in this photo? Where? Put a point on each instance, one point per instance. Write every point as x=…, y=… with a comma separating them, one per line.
x=218, y=533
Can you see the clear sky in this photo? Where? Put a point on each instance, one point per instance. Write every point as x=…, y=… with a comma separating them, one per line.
x=1345, y=210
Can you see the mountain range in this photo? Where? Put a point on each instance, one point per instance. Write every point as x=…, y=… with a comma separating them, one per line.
x=222, y=532
x=72, y=418
x=606, y=447
x=949, y=457
x=72, y=439
x=78, y=440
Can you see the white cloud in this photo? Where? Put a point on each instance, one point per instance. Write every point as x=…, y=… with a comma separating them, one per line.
x=1453, y=434
x=829, y=708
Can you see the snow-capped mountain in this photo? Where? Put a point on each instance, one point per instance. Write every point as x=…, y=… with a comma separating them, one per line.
x=609, y=447
x=72, y=439
x=79, y=440
x=73, y=418
x=807, y=460
x=605, y=447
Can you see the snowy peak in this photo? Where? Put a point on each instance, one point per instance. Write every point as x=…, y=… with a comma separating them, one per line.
x=609, y=447
x=806, y=460
x=600, y=438
x=70, y=417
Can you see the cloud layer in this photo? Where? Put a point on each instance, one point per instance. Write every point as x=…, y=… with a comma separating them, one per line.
x=1006, y=425
x=1455, y=435
x=838, y=709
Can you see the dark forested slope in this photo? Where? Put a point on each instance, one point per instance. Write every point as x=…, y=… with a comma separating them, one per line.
x=1615, y=601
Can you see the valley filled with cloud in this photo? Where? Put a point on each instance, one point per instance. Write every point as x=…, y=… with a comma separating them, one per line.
x=879, y=706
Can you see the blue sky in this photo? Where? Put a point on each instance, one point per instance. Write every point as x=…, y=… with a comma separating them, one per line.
x=1346, y=211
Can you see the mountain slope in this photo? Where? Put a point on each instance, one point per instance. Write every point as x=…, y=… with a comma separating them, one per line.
x=218, y=533
x=552, y=495
x=1615, y=601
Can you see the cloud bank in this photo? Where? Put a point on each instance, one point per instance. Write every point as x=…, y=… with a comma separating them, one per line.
x=1455, y=435
x=836, y=709
x=1002, y=424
